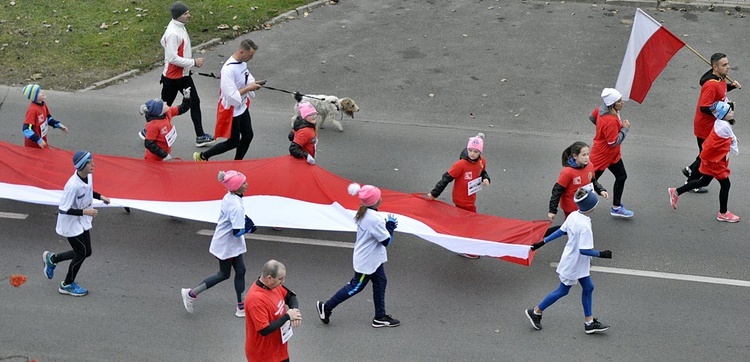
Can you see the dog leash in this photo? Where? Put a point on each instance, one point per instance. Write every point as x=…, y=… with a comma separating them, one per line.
x=212, y=75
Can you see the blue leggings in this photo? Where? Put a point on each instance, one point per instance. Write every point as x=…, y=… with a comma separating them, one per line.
x=586, y=295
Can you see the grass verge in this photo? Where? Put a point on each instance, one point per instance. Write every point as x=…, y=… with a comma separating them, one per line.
x=71, y=44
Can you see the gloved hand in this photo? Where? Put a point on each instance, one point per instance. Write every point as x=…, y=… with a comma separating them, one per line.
x=186, y=93
x=297, y=97
x=537, y=245
x=310, y=159
x=605, y=254
x=168, y=158
x=391, y=223
x=249, y=225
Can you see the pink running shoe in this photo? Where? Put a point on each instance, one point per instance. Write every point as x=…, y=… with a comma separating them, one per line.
x=727, y=217
x=673, y=197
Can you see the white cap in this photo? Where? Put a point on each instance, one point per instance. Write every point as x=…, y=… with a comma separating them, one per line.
x=610, y=96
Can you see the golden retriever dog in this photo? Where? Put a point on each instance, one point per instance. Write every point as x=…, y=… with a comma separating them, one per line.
x=330, y=108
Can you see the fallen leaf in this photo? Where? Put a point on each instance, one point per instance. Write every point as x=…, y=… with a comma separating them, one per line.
x=305, y=14
x=236, y=27
x=432, y=95
x=17, y=280
x=105, y=44
x=222, y=27
x=36, y=76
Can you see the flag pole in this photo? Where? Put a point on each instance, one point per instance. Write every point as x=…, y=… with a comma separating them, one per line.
x=704, y=59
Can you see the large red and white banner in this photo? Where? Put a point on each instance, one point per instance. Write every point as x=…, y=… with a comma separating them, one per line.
x=650, y=48
x=283, y=192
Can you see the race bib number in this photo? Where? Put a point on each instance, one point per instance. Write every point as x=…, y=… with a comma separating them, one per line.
x=43, y=128
x=475, y=186
x=286, y=332
x=171, y=136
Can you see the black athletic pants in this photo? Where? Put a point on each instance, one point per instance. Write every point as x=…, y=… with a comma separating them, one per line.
x=618, y=170
x=242, y=135
x=694, y=172
x=169, y=90
x=81, y=250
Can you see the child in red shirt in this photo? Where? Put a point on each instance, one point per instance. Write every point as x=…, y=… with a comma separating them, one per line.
x=470, y=174
x=577, y=173
x=303, y=135
x=160, y=133
x=38, y=118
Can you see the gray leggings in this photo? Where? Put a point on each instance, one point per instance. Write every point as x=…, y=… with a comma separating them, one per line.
x=225, y=268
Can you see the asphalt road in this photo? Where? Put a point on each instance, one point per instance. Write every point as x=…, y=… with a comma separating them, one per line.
x=426, y=76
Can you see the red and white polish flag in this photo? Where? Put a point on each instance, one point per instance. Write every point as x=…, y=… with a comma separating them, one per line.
x=283, y=192
x=650, y=48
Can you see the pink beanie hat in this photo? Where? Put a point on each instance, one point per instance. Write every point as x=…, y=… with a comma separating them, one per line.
x=232, y=180
x=306, y=109
x=369, y=195
x=477, y=142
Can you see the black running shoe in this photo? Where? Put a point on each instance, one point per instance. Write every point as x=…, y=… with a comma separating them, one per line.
x=535, y=319
x=595, y=326
x=323, y=314
x=386, y=321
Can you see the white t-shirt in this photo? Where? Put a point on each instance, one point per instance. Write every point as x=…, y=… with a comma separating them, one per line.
x=574, y=265
x=235, y=76
x=224, y=244
x=369, y=253
x=76, y=195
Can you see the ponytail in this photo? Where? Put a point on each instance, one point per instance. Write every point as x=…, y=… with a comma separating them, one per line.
x=572, y=151
x=360, y=212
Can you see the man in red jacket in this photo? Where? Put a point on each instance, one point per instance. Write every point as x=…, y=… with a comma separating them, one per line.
x=714, y=88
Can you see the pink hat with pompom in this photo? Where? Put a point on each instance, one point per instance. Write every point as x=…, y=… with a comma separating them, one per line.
x=306, y=109
x=369, y=195
x=477, y=142
x=232, y=180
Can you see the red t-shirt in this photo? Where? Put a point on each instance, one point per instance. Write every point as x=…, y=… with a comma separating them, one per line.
x=262, y=306
x=712, y=90
x=162, y=131
x=305, y=138
x=36, y=115
x=714, y=160
x=608, y=128
x=464, y=171
x=572, y=179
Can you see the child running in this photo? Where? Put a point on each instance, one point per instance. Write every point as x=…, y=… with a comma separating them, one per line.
x=303, y=135
x=470, y=173
x=38, y=118
x=228, y=242
x=74, y=222
x=575, y=262
x=374, y=234
x=577, y=173
x=160, y=133
x=605, y=152
x=717, y=147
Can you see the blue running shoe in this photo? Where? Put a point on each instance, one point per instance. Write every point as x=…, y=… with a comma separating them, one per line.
x=621, y=211
x=49, y=266
x=204, y=140
x=73, y=289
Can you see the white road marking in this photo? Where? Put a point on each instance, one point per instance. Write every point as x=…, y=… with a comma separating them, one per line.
x=289, y=239
x=673, y=276
x=13, y=215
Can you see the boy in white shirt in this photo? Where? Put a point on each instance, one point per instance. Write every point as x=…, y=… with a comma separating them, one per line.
x=74, y=222
x=575, y=262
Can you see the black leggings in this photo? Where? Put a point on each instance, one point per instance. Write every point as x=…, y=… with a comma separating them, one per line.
x=169, y=90
x=694, y=172
x=703, y=181
x=81, y=250
x=225, y=269
x=618, y=170
x=242, y=135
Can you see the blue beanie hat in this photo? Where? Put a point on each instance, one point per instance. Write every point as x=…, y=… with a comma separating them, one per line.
x=31, y=91
x=586, y=202
x=153, y=107
x=720, y=109
x=81, y=158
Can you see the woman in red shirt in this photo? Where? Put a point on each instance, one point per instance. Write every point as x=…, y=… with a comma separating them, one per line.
x=605, y=151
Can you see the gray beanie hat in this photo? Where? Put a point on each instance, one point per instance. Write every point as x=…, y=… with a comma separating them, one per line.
x=177, y=9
